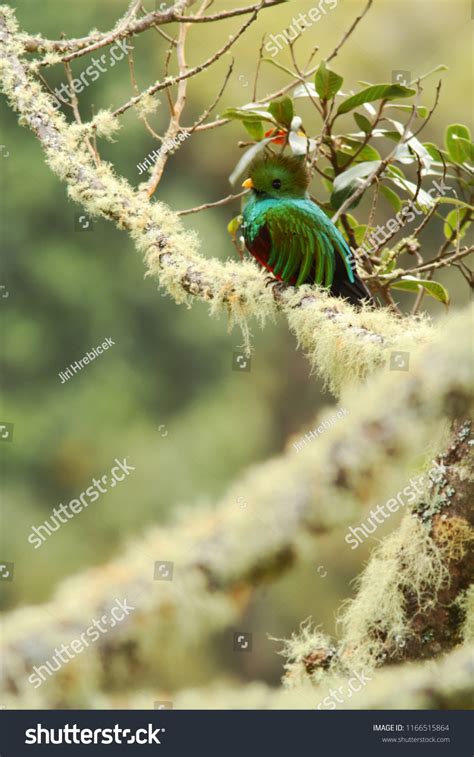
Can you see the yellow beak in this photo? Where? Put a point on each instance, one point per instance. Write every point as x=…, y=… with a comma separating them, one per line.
x=248, y=184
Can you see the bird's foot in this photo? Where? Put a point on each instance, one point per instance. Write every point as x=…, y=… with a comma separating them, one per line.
x=274, y=282
x=270, y=280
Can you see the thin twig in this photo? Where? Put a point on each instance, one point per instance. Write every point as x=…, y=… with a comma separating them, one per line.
x=435, y=104
x=136, y=89
x=263, y=101
x=210, y=108
x=85, y=45
x=436, y=263
x=158, y=86
x=349, y=32
x=257, y=70
x=207, y=205
x=77, y=114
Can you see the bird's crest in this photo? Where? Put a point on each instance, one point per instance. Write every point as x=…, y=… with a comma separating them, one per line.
x=279, y=176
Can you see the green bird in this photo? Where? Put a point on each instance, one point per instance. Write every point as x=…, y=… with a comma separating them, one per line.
x=288, y=234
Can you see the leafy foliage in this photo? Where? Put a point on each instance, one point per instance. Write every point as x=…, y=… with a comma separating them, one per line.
x=384, y=158
x=377, y=92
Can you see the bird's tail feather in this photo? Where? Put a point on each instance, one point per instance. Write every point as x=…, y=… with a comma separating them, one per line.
x=355, y=292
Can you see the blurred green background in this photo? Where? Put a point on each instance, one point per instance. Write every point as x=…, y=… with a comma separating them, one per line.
x=165, y=396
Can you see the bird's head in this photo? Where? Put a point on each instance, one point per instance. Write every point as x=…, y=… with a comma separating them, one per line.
x=278, y=176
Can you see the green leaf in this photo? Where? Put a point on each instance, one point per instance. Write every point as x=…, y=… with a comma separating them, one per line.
x=393, y=135
x=454, y=201
x=362, y=122
x=440, y=67
x=359, y=233
x=339, y=197
x=412, y=145
x=233, y=226
x=253, y=116
x=404, y=155
x=354, y=175
x=327, y=82
x=305, y=90
x=453, y=221
x=467, y=148
x=352, y=220
x=351, y=146
x=458, y=143
x=388, y=259
x=255, y=129
x=423, y=200
x=392, y=197
x=422, y=110
x=396, y=171
x=247, y=158
x=433, y=288
x=348, y=181
x=327, y=184
x=282, y=111
x=342, y=159
x=434, y=151
x=377, y=92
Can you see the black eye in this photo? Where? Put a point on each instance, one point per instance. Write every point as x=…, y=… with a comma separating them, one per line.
x=276, y=183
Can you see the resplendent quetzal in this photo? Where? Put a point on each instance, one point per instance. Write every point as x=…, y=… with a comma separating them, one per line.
x=287, y=233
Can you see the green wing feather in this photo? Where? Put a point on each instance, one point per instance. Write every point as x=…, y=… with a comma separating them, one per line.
x=329, y=261
x=297, y=245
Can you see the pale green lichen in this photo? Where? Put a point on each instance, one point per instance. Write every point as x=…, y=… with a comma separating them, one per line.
x=446, y=683
x=375, y=622
x=466, y=603
x=343, y=345
x=222, y=553
x=148, y=105
x=52, y=58
x=105, y=124
x=308, y=655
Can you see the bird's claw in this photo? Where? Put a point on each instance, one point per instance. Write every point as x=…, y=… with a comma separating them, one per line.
x=270, y=280
x=274, y=282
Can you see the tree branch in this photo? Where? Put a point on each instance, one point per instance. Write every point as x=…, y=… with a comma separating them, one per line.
x=182, y=76
x=221, y=555
x=128, y=27
x=334, y=335
x=444, y=684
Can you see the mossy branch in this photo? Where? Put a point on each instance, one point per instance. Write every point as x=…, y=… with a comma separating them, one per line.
x=413, y=598
x=409, y=604
x=130, y=25
x=445, y=684
x=343, y=344
x=220, y=556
